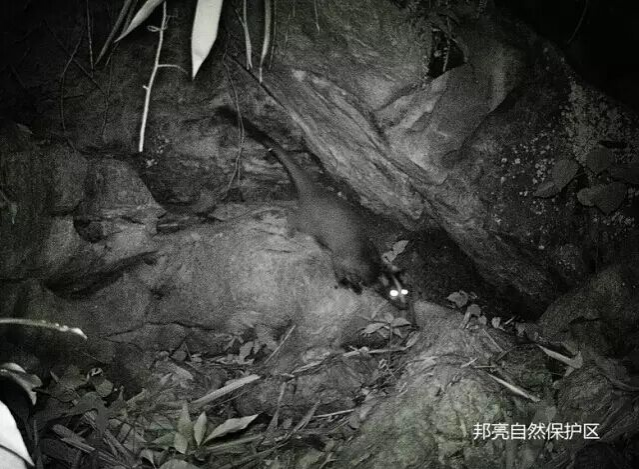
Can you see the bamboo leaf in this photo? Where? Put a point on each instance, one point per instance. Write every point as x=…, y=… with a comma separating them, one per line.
x=230, y=426
x=266, y=41
x=142, y=14
x=11, y=439
x=205, y=27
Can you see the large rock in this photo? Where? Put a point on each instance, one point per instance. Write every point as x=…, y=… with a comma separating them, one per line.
x=66, y=220
x=465, y=150
x=241, y=278
x=39, y=185
x=599, y=313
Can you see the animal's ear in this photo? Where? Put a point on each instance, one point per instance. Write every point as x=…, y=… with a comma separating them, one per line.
x=391, y=269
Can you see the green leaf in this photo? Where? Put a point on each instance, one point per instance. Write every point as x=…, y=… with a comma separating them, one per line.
x=177, y=464
x=599, y=159
x=626, y=172
x=373, y=327
x=230, y=426
x=585, y=196
x=90, y=401
x=180, y=443
x=400, y=322
x=184, y=425
x=165, y=441
x=15, y=373
x=199, y=429
x=245, y=351
x=563, y=172
x=610, y=197
x=104, y=388
x=546, y=189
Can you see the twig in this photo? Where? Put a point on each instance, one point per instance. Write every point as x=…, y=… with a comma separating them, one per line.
x=272, y=425
x=14, y=72
x=272, y=51
x=581, y=20
x=149, y=86
x=283, y=341
x=75, y=62
x=89, y=34
x=105, y=114
x=448, y=45
x=333, y=414
x=515, y=389
x=4, y=197
x=173, y=66
x=237, y=168
x=306, y=419
x=316, y=15
x=62, y=80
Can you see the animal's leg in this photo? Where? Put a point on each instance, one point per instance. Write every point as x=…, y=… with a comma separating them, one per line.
x=345, y=276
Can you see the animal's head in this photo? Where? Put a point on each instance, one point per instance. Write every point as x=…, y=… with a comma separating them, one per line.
x=393, y=287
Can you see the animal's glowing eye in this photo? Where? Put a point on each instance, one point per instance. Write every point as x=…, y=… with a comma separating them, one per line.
x=393, y=293
x=404, y=291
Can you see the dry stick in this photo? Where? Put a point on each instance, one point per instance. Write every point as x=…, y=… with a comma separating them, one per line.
x=316, y=15
x=447, y=56
x=106, y=100
x=272, y=51
x=147, y=96
x=62, y=79
x=282, y=342
x=4, y=198
x=75, y=62
x=15, y=74
x=237, y=168
x=291, y=15
x=581, y=20
x=89, y=34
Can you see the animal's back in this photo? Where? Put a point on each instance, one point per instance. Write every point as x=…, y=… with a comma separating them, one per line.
x=326, y=217
x=337, y=226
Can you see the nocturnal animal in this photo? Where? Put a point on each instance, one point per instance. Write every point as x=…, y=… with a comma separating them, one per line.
x=331, y=221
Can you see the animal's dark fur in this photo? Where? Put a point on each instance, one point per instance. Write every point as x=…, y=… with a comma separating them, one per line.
x=323, y=215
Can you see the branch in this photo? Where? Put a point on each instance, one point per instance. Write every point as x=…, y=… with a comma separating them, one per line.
x=149, y=86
